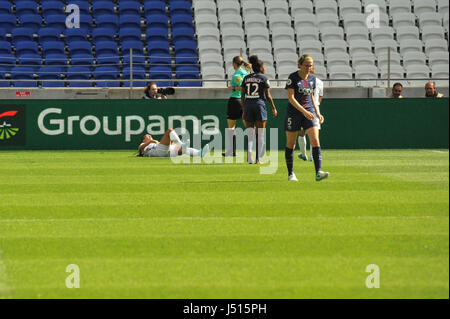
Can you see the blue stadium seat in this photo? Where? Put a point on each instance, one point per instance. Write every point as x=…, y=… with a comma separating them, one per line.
x=82, y=59
x=76, y=47
x=2, y=34
x=160, y=59
x=25, y=7
x=182, y=33
x=23, y=73
x=106, y=73
x=157, y=20
x=102, y=34
x=107, y=53
x=8, y=21
x=32, y=60
x=129, y=7
x=102, y=7
x=56, y=21
x=156, y=46
x=186, y=58
x=137, y=46
x=56, y=59
x=79, y=73
x=23, y=47
x=138, y=74
x=48, y=34
x=183, y=7
x=138, y=59
x=110, y=21
x=154, y=6
x=52, y=7
x=157, y=33
x=5, y=47
x=129, y=20
x=50, y=47
x=181, y=20
x=7, y=61
x=129, y=34
x=186, y=46
x=161, y=73
x=22, y=34
x=86, y=22
x=32, y=21
x=3, y=77
x=51, y=73
x=75, y=34
x=5, y=7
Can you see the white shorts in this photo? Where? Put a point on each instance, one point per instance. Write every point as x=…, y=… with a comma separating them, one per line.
x=159, y=150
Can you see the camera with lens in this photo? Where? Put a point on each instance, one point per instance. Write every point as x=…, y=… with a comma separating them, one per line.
x=166, y=91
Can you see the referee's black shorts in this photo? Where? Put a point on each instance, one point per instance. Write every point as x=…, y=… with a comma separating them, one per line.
x=234, y=110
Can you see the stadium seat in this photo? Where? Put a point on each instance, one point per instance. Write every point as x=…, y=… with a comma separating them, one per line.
x=326, y=7
x=5, y=7
x=102, y=34
x=369, y=5
x=21, y=34
x=110, y=21
x=440, y=71
x=56, y=21
x=255, y=6
x=438, y=58
x=310, y=47
x=8, y=21
x=320, y=72
x=25, y=7
x=161, y=75
x=430, y=19
x=305, y=20
x=157, y=20
x=382, y=46
x=23, y=73
x=83, y=6
x=129, y=20
x=300, y=7
x=161, y=59
x=51, y=73
x=183, y=7
x=102, y=7
x=363, y=59
x=414, y=58
x=326, y=21
x=7, y=60
x=129, y=33
x=309, y=33
x=213, y=73
x=423, y=6
x=106, y=73
x=204, y=7
x=255, y=21
x=209, y=47
x=354, y=20
x=396, y=71
x=336, y=59
x=433, y=33
x=259, y=46
x=50, y=47
x=399, y=6
x=276, y=7
x=254, y=34
x=366, y=72
x=360, y=47
x=332, y=46
x=55, y=59
x=107, y=52
x=230, y=34
x=284, y=33
x=32, y=60
x=32, y=21
x=180, y=20
x=284, y=46
x=382, y=33
x=157, y=47
x=407, y=33
x=347, y=7
x=23, y=47
x=230, y=21
x=443, y=6
x=279, y=20
x=339, y=73
x=76, y=34
x=188, y=72
x=212, y=59
x=419, y=72
x=48, y=34
x=411, y=45
x=138, y=73
x=207, y=35
x=355, y=34
x=129, y=8
x=383, y=60
x=79, y=73
x=136, y=46
x=403, y=19
x=435, y=45
x=186, y=46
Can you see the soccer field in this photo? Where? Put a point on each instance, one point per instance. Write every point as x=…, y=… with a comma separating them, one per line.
x=149, y=228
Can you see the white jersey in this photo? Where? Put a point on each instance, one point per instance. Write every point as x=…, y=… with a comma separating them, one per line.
x=159, y=150
x=318, y=92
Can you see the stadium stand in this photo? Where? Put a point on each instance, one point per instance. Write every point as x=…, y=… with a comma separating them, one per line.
x=177, y=39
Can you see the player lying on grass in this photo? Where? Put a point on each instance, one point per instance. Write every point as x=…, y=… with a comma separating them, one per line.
x=169, y=146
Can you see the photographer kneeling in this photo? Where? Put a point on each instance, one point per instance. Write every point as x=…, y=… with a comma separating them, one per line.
x=152, y=92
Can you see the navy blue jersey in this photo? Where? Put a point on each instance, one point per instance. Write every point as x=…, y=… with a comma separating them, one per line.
x=254, y=86
x=303, y=90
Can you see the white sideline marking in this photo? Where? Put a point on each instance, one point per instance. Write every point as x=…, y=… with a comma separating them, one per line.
x=442, y=152
x=4, y=288
x=32, y=220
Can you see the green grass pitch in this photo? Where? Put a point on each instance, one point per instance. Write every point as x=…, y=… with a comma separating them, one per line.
x=149, y=228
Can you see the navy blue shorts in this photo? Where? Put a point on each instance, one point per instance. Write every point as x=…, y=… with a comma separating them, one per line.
x=295, y=121
x=255, y=111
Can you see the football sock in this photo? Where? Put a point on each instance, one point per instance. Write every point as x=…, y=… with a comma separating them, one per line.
x=229, y=145
x=250, y=141
x=192, y=152
x=175, y=138
x=234, y=144
x=317, y=156
x=261, y=144
x=302, y=144
x=289, y=155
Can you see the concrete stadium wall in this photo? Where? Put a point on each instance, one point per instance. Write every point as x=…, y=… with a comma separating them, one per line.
x=120, y=124
x=194, y=93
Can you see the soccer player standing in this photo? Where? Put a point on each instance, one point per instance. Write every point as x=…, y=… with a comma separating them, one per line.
x=301, y=113
x=255, y=90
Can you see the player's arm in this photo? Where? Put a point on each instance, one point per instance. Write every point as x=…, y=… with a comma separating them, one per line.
x=297, y=105
x=269, y=97
x=144, y=145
